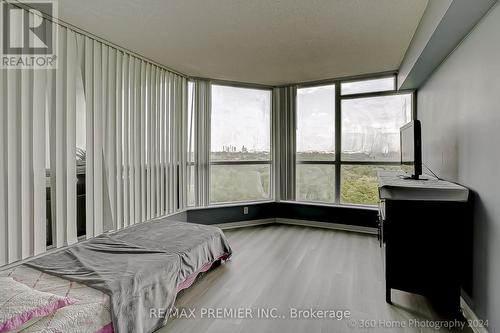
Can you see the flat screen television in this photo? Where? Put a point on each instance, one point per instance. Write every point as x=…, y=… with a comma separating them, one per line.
x=411, y=147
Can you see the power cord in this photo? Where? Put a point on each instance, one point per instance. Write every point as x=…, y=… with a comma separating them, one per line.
x=431, y=171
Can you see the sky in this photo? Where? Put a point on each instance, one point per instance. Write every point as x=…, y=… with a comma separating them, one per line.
x=316, y=119
x=240, y=117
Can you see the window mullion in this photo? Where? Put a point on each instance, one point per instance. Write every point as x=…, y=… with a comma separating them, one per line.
x=338, y=143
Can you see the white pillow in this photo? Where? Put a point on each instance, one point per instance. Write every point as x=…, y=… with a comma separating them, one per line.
x=20, y=303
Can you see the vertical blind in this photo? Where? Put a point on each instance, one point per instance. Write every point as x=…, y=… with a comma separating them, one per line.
x=284, y=122
x=135, y=115
x=22, y=163
x=202, y=124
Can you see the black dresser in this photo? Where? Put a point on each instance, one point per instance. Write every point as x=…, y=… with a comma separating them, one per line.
x=422, y=230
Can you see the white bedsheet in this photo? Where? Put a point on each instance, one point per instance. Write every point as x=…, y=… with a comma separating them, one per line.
x=90, y=314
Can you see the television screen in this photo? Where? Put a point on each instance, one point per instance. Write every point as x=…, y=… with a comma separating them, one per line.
x=408, y=145
x=411, y=154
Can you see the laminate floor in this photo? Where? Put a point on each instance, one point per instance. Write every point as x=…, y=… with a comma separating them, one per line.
x=278, y=268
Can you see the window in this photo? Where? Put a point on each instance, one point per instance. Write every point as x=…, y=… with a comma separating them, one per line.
x=316, y=182
x=316, y=123
x=359, y=183
x=369, y=116
x=237, y=182
x=240, y=151
x=368, y=86
x=370, y=134
x=315, y=173
x=370, y=127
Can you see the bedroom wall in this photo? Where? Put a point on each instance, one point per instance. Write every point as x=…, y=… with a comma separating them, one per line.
x=443, y=26
x=459, y=107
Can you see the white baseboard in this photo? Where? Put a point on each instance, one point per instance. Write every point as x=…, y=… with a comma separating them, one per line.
x=305, y=223
x=471, y=317
x=242, y=224
x=327, y=225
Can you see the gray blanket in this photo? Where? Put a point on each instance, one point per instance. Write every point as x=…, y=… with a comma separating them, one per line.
x=139, y=267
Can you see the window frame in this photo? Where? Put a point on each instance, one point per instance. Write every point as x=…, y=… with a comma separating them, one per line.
x=375, y=77
x=338, y=162
x=269, y=162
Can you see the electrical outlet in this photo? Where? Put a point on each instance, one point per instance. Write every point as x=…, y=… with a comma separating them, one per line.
x=245, y=210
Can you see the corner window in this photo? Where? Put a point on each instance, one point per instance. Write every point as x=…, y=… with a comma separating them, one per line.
x=315, y=171
x=346, y=132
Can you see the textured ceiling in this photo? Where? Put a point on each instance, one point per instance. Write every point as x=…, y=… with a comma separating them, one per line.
x=260, y=41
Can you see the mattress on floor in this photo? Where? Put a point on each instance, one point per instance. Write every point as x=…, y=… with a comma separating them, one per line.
x=139, y=267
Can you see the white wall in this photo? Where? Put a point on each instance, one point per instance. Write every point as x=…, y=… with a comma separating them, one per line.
x=460, y=111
